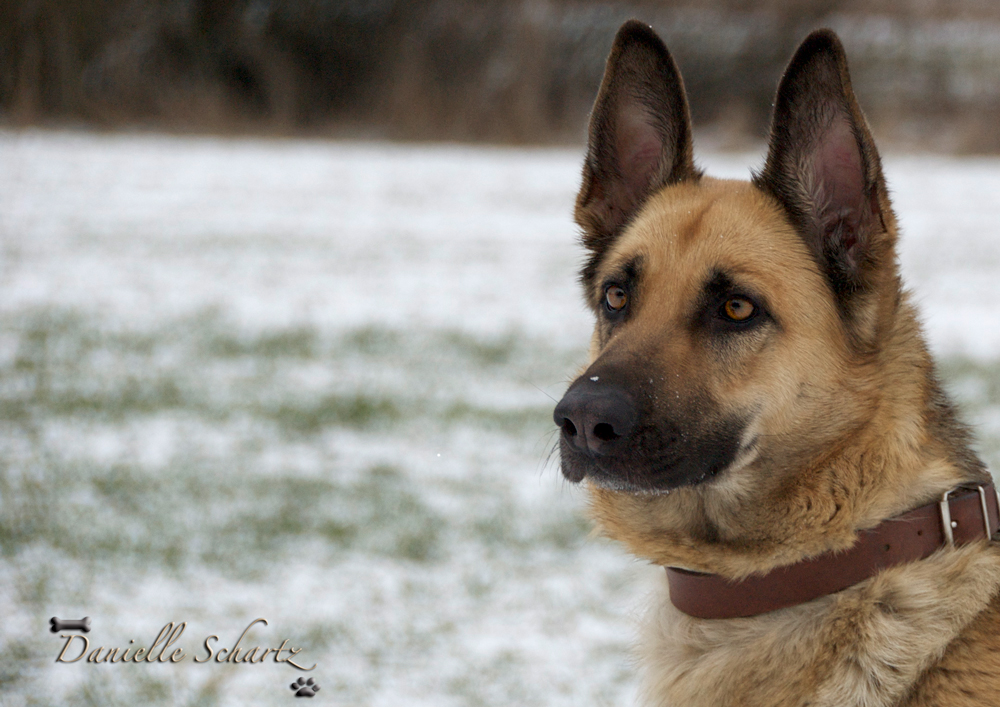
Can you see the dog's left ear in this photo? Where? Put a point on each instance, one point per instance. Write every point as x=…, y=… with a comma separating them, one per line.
x=823, y=167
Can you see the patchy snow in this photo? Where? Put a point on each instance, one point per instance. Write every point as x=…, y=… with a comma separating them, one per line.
x=312, y=382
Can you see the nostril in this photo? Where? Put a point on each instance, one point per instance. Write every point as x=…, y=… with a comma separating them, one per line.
x=568, y=427
x=605, y=432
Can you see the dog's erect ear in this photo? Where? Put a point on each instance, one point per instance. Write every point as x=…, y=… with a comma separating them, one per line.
x=640, y=134
x=823, y=167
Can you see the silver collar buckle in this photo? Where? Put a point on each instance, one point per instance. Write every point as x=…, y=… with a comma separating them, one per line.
x=948, y=525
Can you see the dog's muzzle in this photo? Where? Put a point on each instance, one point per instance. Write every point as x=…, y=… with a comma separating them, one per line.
x=613, y=432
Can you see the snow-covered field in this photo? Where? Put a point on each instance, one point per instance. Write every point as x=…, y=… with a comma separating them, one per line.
x=312, y=382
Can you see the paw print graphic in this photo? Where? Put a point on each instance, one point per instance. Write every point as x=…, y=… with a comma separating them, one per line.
x=305, y=688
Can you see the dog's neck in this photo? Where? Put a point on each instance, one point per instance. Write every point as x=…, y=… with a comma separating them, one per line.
x=913, y=448
x=961, y=517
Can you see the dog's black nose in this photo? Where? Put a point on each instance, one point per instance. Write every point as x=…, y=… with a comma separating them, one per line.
x=595, y=418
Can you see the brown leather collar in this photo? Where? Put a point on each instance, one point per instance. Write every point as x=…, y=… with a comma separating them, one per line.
x=962, y=516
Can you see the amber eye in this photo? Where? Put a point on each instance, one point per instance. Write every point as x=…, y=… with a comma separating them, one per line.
x=616, y=298
x=738, y=309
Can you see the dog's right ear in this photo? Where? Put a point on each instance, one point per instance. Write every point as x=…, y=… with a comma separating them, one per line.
x=640, y=135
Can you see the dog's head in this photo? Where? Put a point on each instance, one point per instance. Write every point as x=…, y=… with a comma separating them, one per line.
x=746, y=331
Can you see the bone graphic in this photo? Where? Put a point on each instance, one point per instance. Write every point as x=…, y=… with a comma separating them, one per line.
x=70, y=624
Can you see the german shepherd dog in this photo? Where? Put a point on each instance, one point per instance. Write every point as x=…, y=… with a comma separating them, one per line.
x=760, y=407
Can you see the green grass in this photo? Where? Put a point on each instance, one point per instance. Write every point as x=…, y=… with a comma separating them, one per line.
x=66, y=366
x=293, y=343
x=77, y=374
x=194, y=515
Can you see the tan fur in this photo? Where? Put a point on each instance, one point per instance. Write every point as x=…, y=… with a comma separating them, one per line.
x=841, y=419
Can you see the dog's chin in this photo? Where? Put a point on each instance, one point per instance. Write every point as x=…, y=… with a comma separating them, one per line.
x=634, y=479
x=618, y=485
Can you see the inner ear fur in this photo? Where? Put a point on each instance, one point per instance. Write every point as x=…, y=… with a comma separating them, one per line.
x=822, y=165
x=639, y=137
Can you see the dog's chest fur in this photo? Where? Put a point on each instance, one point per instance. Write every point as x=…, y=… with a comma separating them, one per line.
x=885, y=642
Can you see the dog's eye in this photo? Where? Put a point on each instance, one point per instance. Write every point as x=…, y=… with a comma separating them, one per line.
x=738, y=309
x=616, y=298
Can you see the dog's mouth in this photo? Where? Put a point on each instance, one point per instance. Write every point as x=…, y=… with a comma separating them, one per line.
x=651, y=463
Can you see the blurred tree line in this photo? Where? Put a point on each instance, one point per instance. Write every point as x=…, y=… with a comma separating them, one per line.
x=521, y=71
